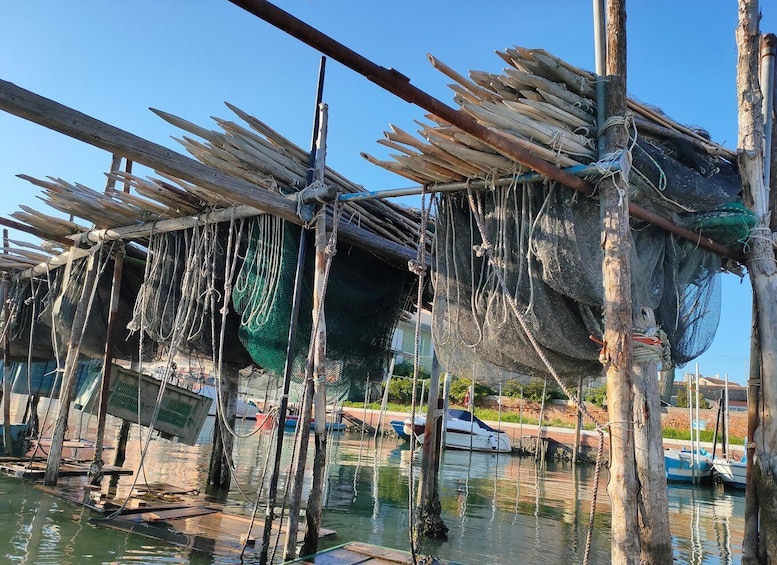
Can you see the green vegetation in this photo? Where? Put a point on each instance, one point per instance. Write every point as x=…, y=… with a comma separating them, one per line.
x=682, y=399
x=596, y=396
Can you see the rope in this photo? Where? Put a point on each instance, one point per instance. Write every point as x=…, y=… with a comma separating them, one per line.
x=418, y=267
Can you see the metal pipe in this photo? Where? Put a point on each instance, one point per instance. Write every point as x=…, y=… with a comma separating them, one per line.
x=398, y=84
x=577, y=170
x=601, y=65
x=768, y=52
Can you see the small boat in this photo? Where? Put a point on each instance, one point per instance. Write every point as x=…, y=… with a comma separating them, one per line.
x=291, y=423
x=463, y=430
x=399, y=427
x=732, y=472
x=683, y=465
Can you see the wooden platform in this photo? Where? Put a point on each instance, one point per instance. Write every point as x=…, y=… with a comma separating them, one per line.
x=36, y=469
x=176, y=515
x=357, y=553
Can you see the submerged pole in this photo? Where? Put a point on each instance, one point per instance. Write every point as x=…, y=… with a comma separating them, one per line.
x=429, y=523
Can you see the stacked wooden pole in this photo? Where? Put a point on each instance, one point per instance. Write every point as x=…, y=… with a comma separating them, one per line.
x=540, y=102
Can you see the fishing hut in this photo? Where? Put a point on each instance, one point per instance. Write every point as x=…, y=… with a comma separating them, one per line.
x=537, y=181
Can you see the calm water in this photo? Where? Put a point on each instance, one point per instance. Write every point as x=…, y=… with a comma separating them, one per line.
x=498, y=509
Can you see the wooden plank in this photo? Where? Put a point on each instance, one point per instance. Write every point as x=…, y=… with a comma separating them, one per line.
x=55, y=116
x=176, y=514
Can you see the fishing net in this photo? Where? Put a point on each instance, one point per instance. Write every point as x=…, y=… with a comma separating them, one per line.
x=547, y=247
x=364, y=299
x=179, y=303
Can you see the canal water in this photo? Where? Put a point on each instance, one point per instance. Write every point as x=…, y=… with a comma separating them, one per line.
x=499, y=509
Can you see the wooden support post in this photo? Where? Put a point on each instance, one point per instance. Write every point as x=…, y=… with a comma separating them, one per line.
x=95, y=471
x=616, y=353
x=315, y=498
x=70, y=373
x=655, y=536
x=7, y=440
x=219, y=474
x=429, y=522
x=761, y=520
x=578, y=424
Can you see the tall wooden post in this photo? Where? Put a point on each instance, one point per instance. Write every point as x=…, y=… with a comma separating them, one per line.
x=617, y=353
x=95, y=471
x=7, y=440
x=761, y=521
x=315, y=498
x=655, y=536
x=430, y=523
x=70, y=372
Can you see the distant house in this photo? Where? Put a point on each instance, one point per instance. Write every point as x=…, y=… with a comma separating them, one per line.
x=403, y=343
x=713, y=389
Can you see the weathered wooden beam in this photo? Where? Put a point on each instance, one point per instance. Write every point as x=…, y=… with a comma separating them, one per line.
x=55, y=116
x=617, y=350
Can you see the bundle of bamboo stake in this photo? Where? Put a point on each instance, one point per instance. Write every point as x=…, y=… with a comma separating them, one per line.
x=260, y=155
x=539, y=101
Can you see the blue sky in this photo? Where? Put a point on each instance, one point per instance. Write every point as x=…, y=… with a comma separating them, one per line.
x=115, y=61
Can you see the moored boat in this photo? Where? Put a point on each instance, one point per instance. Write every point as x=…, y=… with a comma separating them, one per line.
x=291, y=423
x=463, y=430
x=685, y=465
x=732, y=472
x=399, y=427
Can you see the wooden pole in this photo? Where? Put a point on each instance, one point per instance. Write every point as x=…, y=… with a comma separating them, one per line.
x=219, y=474
x=70, y=373
x=57, y=117
x=95, y=471
x=763, y=276
x=655, y=536
x=617, y=352
x=429, y=523
x=315, y=498
x=578, y=423
x=7, y=440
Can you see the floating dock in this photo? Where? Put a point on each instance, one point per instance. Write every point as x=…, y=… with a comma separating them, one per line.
x=357, y=553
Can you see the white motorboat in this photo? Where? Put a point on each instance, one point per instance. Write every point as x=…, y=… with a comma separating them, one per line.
x=463, y=430
x=733, y=472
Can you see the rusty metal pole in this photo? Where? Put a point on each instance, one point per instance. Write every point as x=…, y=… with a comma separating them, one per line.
x=395, y=82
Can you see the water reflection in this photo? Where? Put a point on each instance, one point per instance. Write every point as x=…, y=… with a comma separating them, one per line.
x=498, y=508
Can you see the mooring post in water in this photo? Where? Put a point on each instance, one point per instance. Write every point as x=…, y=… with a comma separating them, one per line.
x=323, y=258
x=70, y=372
x=655, y=535
x=578, y=423
x=219, y=474
x=616, y=268
x=291, y=345
x=7, y=440
x=430, y=523
x=96, y=469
